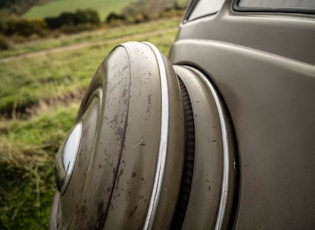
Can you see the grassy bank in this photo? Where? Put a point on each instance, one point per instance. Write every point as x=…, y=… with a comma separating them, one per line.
x=41, y=86
x=26, y=165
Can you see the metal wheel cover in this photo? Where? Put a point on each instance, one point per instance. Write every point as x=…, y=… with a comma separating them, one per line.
x=132, y=160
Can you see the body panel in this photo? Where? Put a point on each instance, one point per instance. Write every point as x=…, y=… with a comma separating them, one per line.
x=263, y=66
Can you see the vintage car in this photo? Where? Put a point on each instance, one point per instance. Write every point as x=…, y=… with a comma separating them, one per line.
x=222, y=136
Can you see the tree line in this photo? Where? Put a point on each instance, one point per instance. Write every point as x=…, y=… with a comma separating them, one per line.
x=146, y=10
x=26, y=28
x=20, y=30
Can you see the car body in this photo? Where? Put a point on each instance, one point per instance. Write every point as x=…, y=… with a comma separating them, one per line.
x=221, y=136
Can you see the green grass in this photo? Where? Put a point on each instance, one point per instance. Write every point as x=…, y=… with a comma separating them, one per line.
x=28, y=145
x=26, y=168
x=54, y=8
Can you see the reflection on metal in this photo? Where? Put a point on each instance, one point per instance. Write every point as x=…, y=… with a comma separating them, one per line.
x=66, y=158
x=157, y=187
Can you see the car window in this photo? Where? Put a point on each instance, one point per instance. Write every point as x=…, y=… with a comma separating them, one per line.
x=200, y=8
x=277, y=5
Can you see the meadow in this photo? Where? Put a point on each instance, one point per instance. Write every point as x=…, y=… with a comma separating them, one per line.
x=103, y=7
x=54, y=8
x=42, y=83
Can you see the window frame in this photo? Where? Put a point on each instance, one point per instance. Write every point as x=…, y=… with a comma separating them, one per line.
x=237, y=8
x=192, y=6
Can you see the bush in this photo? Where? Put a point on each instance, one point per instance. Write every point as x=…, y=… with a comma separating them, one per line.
x=2, y=26
x=53, y=22
x=4, y=44
x=139, y=18
x=67, y=19
x=39, y=27
x=25, y=28
x=87, y=16
x=113, y=17
x=80, y=17
x=172, y=12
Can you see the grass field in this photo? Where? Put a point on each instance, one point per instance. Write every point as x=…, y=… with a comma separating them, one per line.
x=41, y=86
x=54, y=8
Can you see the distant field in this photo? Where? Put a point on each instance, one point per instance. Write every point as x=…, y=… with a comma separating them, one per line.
x=54, y=8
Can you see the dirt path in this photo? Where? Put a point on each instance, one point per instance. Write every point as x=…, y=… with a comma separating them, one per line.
x=88, y=44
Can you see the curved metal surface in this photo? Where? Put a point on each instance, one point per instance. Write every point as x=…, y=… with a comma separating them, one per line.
x=227, y=154
x=130, y=164
x=89, y=119
x=258, y=62
x=213, y=180
x=165, y=120
x=119, y=182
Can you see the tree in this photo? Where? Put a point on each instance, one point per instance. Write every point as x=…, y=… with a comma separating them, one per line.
x=114, y=17
x=67, y=18
x=87, y=16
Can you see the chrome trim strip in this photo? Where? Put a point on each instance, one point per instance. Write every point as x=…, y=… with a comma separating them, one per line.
x=67, y=157
x=160, y=168
x=226, y=153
